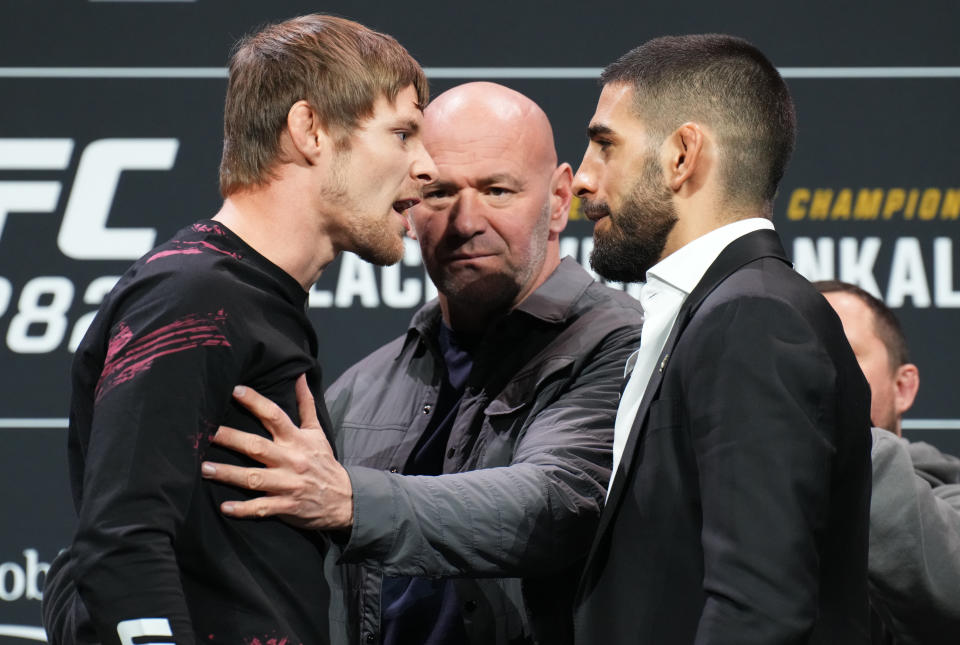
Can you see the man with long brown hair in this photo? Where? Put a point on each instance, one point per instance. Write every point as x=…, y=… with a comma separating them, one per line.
x=321, y=154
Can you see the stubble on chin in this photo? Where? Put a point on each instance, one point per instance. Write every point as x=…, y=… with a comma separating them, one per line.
x=636, y=234
x=479, y=293
x=382, y=248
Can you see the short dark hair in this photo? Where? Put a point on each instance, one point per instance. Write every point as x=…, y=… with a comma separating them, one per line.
x=727, y=84
x=338, y=66
x=885, y=323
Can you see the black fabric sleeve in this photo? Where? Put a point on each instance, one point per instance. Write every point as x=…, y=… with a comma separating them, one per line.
x=168, y=376
x=761, y=398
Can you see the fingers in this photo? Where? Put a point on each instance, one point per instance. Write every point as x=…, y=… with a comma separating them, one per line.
x=271, y=415
x=260, y=507
x=306, y=404
x=266, y=480
x=251, y=445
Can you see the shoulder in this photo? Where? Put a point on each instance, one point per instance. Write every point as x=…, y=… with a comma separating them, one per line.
x=599, y=299
x=751, y=323
x=769, y=296
x=370, y=375
x=598, y=308
x=886, y=450
x=156, y=295
x=188, y=295
x=193, y=269
x=935, y=467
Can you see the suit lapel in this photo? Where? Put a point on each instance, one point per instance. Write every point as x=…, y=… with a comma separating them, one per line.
x=743, y=250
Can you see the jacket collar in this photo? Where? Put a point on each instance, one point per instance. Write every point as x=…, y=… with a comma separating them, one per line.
x=742, y=251
x=551, y=302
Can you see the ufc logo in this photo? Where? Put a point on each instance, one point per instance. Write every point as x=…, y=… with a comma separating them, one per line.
x=83, y=232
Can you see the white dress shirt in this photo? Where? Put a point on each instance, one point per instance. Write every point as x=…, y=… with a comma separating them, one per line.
x=668, y=284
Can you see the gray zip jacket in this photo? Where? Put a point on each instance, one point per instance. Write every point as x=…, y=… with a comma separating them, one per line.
x=528, y=459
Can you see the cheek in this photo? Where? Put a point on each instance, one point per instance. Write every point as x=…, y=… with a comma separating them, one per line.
x=879, y=381
x=610, y=178
x=428, y=229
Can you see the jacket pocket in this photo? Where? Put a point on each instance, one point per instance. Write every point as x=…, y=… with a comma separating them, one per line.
x=530, y=386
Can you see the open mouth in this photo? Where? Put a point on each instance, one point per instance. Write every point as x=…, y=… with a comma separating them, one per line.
x=402, y=205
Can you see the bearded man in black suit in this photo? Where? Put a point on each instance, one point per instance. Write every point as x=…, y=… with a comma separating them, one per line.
x=738, y=509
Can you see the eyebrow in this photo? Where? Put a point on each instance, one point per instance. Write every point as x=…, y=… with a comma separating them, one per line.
x=500, y=178
x=598, y=129
x=484, y=182
x=408, y=124
x=440, y=184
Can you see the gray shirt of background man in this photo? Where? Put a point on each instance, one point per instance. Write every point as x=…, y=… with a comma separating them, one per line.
x=530, y=445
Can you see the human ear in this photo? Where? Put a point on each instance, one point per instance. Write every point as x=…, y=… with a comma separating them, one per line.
x=561, y=193
x=306, y=133
x=685, y=148
x=906, y=383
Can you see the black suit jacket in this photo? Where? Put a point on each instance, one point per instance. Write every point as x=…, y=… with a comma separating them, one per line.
x=739, y=513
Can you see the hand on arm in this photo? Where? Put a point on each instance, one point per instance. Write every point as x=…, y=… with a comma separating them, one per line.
x=302, y=481
x=531, y=511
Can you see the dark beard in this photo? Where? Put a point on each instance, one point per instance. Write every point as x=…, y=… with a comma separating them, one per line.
x=638, y=232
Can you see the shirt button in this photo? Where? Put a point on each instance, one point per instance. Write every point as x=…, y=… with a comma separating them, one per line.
x=369, y=637
x=393, y=469
x=427, y=408
x=450, y=453
x=470, y=605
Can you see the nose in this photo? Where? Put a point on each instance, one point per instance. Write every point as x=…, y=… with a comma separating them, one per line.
x=585, y=181
x=423, y=169
x=466, y=216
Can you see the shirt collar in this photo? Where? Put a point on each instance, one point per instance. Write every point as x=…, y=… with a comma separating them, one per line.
x=552, y=301
x=685, y=267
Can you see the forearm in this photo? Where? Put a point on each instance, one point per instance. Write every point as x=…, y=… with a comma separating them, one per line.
x=499, y=522
x=130, y=578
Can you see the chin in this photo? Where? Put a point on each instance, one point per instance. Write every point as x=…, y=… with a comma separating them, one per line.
x=385, y=253
x=484, y=290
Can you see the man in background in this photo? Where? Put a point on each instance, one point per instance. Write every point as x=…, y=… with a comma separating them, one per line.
x=321, y=155
x=477, y=444
x=914, y=562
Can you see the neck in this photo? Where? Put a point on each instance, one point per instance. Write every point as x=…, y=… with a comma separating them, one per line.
x=471, y=319
x=283, y=228
x=695, y=219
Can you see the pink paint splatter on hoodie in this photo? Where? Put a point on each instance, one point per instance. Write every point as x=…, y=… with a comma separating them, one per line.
x=126, y=358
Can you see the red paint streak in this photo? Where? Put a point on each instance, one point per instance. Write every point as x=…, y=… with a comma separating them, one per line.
x=202, y=437
x=192, y=248
x=179, y=251
x=207, y=228
x=126, y=360
x=267, y=641
x=118, y=341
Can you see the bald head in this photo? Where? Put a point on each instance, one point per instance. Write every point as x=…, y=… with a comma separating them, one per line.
x=486, y=114
x=489, y=224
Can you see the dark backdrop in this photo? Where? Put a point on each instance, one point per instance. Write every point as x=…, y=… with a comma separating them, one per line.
x=110, y=141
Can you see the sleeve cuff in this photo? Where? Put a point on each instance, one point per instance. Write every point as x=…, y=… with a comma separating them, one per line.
x=374, y=516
